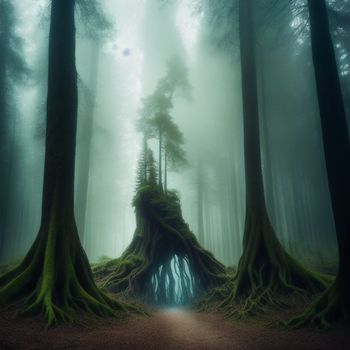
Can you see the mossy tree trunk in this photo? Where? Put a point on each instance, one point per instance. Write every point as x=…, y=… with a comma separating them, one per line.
x=334, y=304
x=161, y=234
x=54, y=278
x=265, y=268
x=3, y=129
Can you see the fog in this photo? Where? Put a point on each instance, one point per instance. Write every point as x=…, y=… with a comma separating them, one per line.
x=119, y=69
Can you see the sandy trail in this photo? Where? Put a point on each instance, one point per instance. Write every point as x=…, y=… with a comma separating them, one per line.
x=167, y=329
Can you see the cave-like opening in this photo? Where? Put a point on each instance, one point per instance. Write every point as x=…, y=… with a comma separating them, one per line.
x=173, y=283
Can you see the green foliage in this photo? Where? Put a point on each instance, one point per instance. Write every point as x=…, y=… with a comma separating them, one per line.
x=155, y=119
x=146, y=170
x=96, y=23
x=11, y=44
x=176, y=79
x=141, y=172
x=152, y=177
x=326, y=310
x=161, y=233
x=173, y=146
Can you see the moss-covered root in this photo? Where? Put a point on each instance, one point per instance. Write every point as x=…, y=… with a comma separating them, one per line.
x=55, y=280
x=266, y=272
x=324, y=312
x=161, y=233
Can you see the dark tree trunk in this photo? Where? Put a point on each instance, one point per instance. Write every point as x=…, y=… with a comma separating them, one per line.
x=8, y=184
x=2, y=145
x=55, y=277
x=265, y=269
x=165, y=172
x=269, y=192
x=160, y=157
x=334, y=304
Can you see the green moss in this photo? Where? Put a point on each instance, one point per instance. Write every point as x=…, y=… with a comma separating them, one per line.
x=55, y=280
x=266, y=272
x=161, y=233
x=326, y=310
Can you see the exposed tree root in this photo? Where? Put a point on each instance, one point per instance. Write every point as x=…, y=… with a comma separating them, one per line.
x=160, y=235
x=266, y=272
x=329, y=308
x=55, y=279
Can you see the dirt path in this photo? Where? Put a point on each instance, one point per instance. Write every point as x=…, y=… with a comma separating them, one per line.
x=166, y=329
x=190, y=330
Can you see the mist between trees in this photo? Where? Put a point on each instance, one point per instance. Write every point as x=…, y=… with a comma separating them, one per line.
x=161, y=80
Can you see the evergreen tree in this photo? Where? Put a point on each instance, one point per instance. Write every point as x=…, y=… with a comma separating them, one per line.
x=334, y=304
x=152, y=177
x=55, y=278
x=174, y=154
x=141, y=172
x=176, y=79
x=265, y=269
x=156, y=122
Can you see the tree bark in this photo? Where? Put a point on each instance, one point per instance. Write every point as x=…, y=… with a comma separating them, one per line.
x=265, y=269
x=165, y=172
x=334, y=304
x=161, y=235
x=160, y=158
x=55, y=278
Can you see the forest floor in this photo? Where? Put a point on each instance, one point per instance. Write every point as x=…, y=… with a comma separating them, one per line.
x=167, y=329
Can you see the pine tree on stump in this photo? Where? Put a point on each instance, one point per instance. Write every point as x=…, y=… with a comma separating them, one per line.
x=152, y=177
x=174, y=154
x=265, y=269
x=142, y=168
x=55, y=278
x=334, y=304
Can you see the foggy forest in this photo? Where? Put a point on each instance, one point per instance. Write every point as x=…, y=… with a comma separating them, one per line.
x=175, y=174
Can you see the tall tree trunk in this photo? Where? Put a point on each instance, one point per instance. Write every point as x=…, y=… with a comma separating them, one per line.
x=269, y=192
x=4, y=34
x=165, y=172
x=265, y=269
x=8, y=185
x=55, y=277
x=334, y=304
x=85, y=153
x=160, y=157
x=200, y=189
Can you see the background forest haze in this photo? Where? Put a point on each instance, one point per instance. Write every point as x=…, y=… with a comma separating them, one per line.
x=121, y=64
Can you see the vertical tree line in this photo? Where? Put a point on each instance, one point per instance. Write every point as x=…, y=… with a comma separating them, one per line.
x=55, y=278
x=13, y=69
x=334, y=304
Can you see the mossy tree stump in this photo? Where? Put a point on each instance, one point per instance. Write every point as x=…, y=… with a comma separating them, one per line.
x=161, y=234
